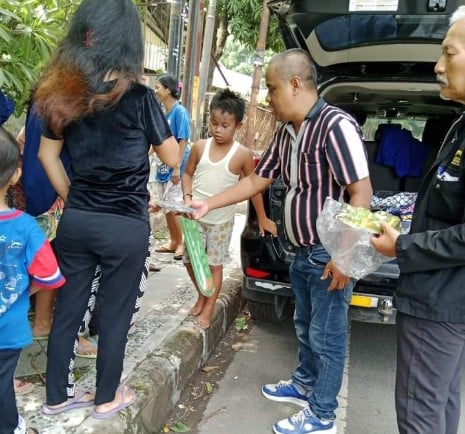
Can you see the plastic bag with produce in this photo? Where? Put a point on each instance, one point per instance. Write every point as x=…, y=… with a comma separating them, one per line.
x=345, y=232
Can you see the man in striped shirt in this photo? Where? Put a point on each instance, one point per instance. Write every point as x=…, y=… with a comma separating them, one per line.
x=318, y=152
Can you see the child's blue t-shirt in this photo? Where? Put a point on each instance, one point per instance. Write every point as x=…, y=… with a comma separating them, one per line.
x=24, y=252
x=38, y=190
x=178, y=119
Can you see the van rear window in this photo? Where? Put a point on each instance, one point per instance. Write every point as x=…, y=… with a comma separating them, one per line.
x=349, y=31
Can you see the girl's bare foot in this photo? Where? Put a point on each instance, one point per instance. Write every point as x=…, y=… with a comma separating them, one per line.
x=41, y=331
x=22, y=387
x=197, y=308
x=204, y=320
x=87, y=347
x=179, y=252
x=166, y=248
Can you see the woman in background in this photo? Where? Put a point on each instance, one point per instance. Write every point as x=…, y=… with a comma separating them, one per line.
x=168, y=179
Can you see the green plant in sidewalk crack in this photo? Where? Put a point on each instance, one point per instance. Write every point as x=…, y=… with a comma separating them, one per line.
x=240, y=323
x=176, y=427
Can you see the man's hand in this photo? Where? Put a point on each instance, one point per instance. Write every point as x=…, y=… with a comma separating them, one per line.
x=338, y=280
x=385, y=242
x=200, y=208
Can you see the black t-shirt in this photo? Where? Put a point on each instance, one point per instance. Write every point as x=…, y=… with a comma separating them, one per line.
x=109, y=154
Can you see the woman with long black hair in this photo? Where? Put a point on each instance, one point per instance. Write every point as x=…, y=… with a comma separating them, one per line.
x=92, y=102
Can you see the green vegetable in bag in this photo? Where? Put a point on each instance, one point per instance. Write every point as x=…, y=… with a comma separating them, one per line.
x=363, y=218
x=198, y=257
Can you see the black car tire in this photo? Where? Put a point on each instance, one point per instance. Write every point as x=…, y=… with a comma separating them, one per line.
x=277, y=311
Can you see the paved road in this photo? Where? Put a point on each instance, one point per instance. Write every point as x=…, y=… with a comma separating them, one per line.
x=269, y=353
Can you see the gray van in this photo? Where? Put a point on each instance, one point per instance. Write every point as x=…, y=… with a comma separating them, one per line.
x=375, y=59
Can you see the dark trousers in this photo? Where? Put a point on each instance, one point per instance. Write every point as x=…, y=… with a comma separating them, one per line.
x=8, y=410
x=119, y=244
x=430, y=360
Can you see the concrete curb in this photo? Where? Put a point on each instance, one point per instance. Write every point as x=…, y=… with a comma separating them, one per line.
x=162, y=375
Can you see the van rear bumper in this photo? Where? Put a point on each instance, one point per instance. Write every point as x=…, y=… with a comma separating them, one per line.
x=364, y=307
x=372, y=308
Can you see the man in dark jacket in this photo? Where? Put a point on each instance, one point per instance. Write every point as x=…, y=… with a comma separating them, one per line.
x=430, y=299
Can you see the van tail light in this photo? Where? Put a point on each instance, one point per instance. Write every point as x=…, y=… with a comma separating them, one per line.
x=258, y=274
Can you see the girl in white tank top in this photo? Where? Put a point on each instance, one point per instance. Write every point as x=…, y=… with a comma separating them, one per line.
x=213, y=177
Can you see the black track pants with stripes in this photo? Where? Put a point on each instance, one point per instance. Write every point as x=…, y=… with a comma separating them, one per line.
x=85, y=240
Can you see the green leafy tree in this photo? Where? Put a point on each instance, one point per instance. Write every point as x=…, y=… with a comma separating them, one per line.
x=240, y=19
x=29, y=31
x=240, y=58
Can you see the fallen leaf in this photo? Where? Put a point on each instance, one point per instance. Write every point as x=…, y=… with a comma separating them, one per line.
x=209, y=368
x=180, y=427
x=208, y=387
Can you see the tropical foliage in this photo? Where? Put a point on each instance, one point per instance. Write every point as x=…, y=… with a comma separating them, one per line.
x=240, y=58
x=29, y=30
x=240, y=20
x=243, y=21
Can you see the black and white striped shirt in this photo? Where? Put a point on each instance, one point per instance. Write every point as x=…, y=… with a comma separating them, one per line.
x=326, y=155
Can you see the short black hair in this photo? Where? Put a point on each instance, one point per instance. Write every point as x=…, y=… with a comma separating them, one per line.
x=171, y=83
x=295, y=61
x=9, y=156
x=229, y=101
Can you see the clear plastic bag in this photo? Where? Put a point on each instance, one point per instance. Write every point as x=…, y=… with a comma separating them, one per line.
x=349, y=246
x=167, y=206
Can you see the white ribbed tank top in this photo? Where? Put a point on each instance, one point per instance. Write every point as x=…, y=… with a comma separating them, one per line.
x=213, y=177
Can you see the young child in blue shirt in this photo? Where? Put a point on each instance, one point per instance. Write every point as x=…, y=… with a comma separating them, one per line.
x=27, y=265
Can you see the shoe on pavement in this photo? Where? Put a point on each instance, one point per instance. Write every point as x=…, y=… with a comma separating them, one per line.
x=284, y=391
x=304, y=422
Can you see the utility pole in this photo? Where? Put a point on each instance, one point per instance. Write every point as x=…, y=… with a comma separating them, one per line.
x=204, y=64
x=189, y=96
x=257, y=75
x=174, y=38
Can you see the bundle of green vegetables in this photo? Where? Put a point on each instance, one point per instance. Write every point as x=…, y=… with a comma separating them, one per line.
x=363, y=218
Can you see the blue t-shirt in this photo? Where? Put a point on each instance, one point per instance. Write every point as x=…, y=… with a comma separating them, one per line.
x=38, y=190
x=400, y=150
x=7, y=107
x=178, y=119
x=24, y=252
